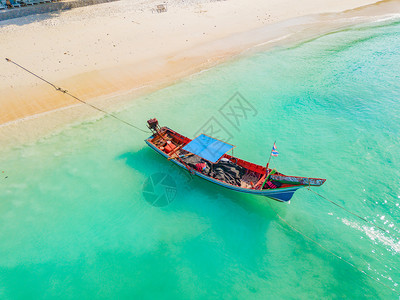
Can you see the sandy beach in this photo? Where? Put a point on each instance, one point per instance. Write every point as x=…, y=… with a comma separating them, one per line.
x=111, y=48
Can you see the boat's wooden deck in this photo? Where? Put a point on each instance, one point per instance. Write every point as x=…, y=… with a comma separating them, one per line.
x=171, y=143
x=166, y=136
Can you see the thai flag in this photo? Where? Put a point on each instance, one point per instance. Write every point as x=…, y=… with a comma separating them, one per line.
x=274, y=151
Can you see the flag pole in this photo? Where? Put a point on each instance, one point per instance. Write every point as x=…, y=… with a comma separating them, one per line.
x=270, y=155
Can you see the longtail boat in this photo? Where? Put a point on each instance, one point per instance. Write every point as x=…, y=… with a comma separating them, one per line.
x=207, y=158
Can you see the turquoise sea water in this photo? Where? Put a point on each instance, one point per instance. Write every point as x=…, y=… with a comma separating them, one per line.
x=75, y=223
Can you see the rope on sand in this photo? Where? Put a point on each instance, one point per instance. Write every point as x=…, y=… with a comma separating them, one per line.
x=59, y=89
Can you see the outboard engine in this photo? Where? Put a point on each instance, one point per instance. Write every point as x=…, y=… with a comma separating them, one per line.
x=152, y=124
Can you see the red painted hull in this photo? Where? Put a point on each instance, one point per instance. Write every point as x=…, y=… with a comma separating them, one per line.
x=288, y=184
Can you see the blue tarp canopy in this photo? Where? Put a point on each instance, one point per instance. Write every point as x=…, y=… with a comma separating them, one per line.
x=208, y=148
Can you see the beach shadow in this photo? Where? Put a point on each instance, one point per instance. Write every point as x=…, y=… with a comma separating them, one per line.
x=29, y=18
x=39, y=12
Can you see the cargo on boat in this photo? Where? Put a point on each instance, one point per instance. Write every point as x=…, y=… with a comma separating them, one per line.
x=207, y=158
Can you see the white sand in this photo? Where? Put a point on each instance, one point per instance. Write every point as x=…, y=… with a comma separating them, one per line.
x=107, y=48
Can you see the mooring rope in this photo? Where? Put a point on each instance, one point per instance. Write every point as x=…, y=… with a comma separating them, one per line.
x=354, y=214
x=59, y=89
x=329, y=251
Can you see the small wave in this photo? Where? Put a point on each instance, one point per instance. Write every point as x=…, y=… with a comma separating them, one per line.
x=375, y=235
x=386, y=18
x=278, y=39
x=371, y=19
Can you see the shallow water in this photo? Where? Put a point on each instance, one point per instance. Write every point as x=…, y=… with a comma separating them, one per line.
x=76, y=223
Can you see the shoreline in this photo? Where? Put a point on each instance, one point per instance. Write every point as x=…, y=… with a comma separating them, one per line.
x=102, y=87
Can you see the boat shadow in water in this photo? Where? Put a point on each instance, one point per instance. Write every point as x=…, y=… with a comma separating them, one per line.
x=147, y=163
x=225, y=217
x=245, y=224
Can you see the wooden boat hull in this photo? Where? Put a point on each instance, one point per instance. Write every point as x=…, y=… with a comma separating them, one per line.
x=207, y=157
x=279, y=194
